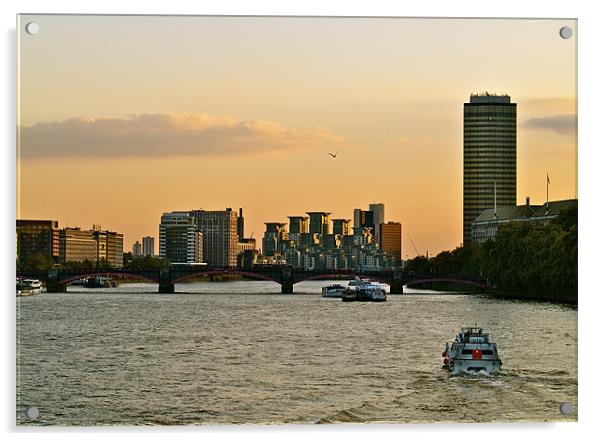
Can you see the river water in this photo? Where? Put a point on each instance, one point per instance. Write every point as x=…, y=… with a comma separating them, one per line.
x=242, y=353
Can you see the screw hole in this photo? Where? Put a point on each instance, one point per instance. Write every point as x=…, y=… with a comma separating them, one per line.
x=32, y=28
x=566, y=32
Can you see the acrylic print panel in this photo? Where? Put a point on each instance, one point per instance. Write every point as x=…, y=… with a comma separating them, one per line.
x=295, y=220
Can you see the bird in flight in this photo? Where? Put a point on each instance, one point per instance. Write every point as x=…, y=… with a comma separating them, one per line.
x=334, y=155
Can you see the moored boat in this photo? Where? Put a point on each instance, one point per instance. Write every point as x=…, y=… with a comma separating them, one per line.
x=472, y=351
x=357, y=281
x=365, y=291
x=27, y=287
x=335, y=291
x=101, y=282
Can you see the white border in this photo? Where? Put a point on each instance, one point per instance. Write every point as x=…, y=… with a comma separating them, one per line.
x=590, y=76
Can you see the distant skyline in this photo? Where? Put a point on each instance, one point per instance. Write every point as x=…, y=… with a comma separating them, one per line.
x=135, y=116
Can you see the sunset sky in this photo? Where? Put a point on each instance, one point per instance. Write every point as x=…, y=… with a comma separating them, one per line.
x=124, y=118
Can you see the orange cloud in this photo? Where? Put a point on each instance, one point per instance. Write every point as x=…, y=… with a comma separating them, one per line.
x=167, y=134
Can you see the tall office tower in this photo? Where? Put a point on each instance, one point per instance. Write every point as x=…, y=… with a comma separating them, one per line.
x=240, y=224
x=220, y=236
x=378, y=217
x=38, y=237
x=180, y=241
x=319, y=222
x=341, y=226
x=275, y=233
x=148, y=246
x=362, y=219
x=489, y=155
x=137, y=249
x=391, y=240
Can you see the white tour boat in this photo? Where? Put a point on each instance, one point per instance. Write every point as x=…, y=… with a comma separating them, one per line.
x=27, y=287
x=335, y=291
x=364, y=291
x=472, y=351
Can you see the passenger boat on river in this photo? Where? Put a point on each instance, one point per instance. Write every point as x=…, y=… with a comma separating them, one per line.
x=472, y=351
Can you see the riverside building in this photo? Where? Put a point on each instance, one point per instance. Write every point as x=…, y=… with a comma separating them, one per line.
x=96, y=245
x=148, y=246
x=137, y=249
x=220, y=236
x=180, y=241
x=275, y=234
x=390, y=242
x=38, y=237
x=297, y=225
x=489, y=155
x=485, y=226
x=341, y=226
x=362, y=219
x=378, y=217
x=319, y=222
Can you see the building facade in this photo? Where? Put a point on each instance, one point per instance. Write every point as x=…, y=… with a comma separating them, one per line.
x=240, y=224
x=220, y=236
x=275, y=234
x=148, y=246
x=96, y=245
x=319, y=222
x=378, y=217
x=137, y=249
x=390, y=242
x=485, y=226
x=38, y=237
x=246, y=244
x=109, y=247
x=489, y=156
x=341, y=226
x=180, y=241
x=362, y=219
x=77, y=245
x=298, y=224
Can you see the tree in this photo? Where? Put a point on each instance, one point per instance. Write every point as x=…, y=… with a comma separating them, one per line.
x=35, y=262
x=145, y=262
x=523, y=256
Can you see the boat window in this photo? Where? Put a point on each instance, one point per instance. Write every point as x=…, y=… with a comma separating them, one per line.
x=467, y=352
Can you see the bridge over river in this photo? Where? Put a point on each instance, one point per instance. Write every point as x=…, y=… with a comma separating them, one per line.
x=56, y=280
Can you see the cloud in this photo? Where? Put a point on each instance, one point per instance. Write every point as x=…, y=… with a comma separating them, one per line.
x=563, y=124
x=167, y=134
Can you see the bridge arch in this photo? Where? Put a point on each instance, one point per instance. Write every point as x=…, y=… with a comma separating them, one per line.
x=345, y=276
x=423, y=280
x=250, y=275
x=73, y=277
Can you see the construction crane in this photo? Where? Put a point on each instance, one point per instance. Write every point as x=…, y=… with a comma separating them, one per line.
x=415, y=249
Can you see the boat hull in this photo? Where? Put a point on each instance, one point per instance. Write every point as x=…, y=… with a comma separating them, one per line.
x=332, y=295
x=474, y=366
x=357, y=296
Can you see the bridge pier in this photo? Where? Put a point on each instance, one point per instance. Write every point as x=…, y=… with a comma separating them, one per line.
x=396, y=286
x=166, y=286
x=52, y=282
x=286, y=280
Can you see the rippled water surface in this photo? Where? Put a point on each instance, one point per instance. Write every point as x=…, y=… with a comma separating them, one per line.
x=131, y=356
